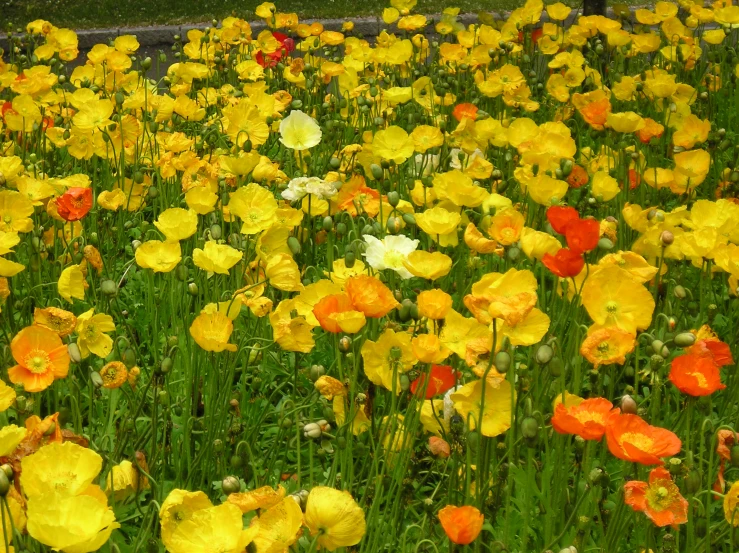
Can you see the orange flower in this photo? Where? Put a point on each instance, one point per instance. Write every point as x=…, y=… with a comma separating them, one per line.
x=561, y=217
x=74, y=203
x=114, y=375
x=41, y=357
x=659, y=499
x=715, y=349
x=586, y=418
x=441, y=379
x=434, y=304
x=462, y=111
x=596, y=113
x=726, y=439
x=461, y=524
x=60, y=321
x=370, y=296
x=631, y=438
x=650, y=130
x=695, y=375
x=578, y=177
x=334, y=314
x=565, y=263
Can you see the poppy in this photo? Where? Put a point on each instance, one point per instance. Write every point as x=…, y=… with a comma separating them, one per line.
x=631, y=438
x=287, y=45
x=461, y=524
x=566, y=263
x=370, y=296
x=74, y=204
x=695, y=375
x=717, y=350
x=560, y=217
x=583, y=235
x=585, y=418
x=462, y=111
x=659, y=498
x=434, y=304
x=335, y=313
x=335, y=517
x=441, y=379
x=578, y=177
x=41, y=358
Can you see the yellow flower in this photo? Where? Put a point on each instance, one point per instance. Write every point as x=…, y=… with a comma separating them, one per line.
x=71, y=283
x=299, y=131
x=73, y=524
x=392, y=144
x=425, y=137
x=255, y=206
x=178, y=508
x=261, y=498
x=496, y=417
x=731, y=504
x=283, y=273
x=91, y=337
x=211, y=331
x=216, y=258
x=219, y=528
x=10, y=436
x=15, y=212
x=335, y=517
x=65, y=468
x=506, y=226
x=200, y=199
x=177, y=223
x=625, y=122
x=440, y=225
x=279, y=526
x=613, y=298
x=390, y=355
x=604, y=186
x=7, y=397
x=545, y=190
x=535, y=243
x=160, y=257
x=291, y=333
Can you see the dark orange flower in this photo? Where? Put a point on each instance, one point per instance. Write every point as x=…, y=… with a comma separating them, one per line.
x=441, y=379
x=659, y=499
x=715, y=349
x=327, y=309
x=695, y=375
x=41, y=357
x=114, y=375
x=74, y=204
x=370, y=296
x=462, y=111
x=560, y=217
x=583, y=235
x=439, y=447
x=586, y=419
x=461, y=524
x=651, y=130
x=565, y=263
x=726, y=440
x=578, y=177
x=631, y=438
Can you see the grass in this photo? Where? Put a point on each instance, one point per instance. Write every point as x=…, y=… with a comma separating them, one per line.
x=81, y=14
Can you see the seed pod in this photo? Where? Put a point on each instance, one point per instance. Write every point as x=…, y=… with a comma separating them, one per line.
x=685, y=339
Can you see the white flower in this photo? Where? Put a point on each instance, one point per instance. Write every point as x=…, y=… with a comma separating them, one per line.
x=389, y=253
x=429, y=163
x=449, y=409
x=321, y=189
x=297, y=188
x=455, y=163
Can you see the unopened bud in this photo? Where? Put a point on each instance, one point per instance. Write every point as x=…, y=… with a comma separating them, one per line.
x=685, y=339
x=628, y=405
x=667, y=238
x=74, y=352
x=230, y=484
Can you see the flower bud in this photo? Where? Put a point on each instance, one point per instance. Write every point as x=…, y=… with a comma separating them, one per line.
x=734, y=456
x=312, y=430
x=667, y=238
x=377, y=171
x=192, y=289
x=628, y=405
x=109, y=288
x=4, y=484
x=544, y=354
x=502, y=361
x=230, y=484
x=74, y=352
x=529, y=428
x=316, y=372
x=345, y=344
x=684, y=339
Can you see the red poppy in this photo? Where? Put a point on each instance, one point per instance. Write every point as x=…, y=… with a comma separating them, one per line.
x=565, y=263
x=659, y=499
x=716, y=349
x=560, y=217
x=287, y=45
x=634, y=179
x=441, y=379
x=74, y=204
x=463, y=111
x=695, y=375
x=7, y=107
x=631, y=438
x=583, y=235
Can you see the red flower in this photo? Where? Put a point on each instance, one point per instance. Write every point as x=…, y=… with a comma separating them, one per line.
x=565, y=263
x=659, y=498
x=74, y=203
x=441, y=379
x=287, y=45
x=715, y=349
x=462, y=111
x=696, y=375
x=560, y=217
x=583, y=235
x=578, y=177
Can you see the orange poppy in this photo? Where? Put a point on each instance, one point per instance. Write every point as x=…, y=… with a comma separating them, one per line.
x=634, y=179
x=583, y=235
x=650, y=130
x=695, y=375
x=716, y=349
x=439, y=447
x=659, y=498
x=370, y=296
x=74, y=204
x=726, y=440
x=463, y=111
x=565, y=263
x=631, y=438
x=596, y=113
x=441, y=379
x=461, y=524
x=434, y=304
x=560, y=217
x=327, y=309
x=41, y=357
x=578, y=177
x=586, y=419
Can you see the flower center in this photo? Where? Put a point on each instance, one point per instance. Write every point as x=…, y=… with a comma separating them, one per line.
x=639, y=441
x=611, y=307
x=37, y=361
